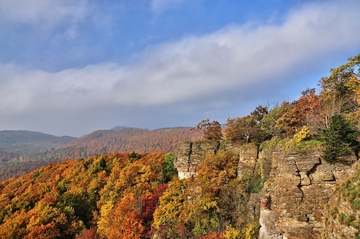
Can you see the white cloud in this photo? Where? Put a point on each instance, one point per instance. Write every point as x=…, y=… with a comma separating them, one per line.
x=43, y=13
x=237, y=58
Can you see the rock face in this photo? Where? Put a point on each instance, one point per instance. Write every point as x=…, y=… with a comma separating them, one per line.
x=342, y=214
x=190, y=155
x=297, y=190
x=267, y=221
x=248, y=156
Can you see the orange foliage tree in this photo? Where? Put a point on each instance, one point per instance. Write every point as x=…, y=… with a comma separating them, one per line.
x=125, y=221
x=306, y=111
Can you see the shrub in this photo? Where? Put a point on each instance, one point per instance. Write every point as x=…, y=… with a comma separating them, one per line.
x=303, y=134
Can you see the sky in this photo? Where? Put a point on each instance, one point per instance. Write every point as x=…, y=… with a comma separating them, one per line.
x=72, y=67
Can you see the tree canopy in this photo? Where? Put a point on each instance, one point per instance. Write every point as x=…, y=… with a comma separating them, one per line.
x=211, y=130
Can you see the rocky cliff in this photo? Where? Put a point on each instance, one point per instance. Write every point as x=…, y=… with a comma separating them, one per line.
x=190, y=155
x=294, y=197
x=298, y=187
x=342, y=212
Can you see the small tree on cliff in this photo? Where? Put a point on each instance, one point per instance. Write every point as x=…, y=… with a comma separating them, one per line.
x=245, y=128
x=211, y=130
x=340, y=138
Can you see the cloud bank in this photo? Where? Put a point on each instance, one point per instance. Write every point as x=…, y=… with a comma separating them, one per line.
x=43, y=13
x=231, y=63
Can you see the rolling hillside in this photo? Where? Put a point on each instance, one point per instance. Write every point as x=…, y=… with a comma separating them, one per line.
x=24, y=151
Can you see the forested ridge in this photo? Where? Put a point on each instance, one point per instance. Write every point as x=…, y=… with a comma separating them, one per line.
x=21, y=143
x=127, y=140
x=61, y=200
x=138, y=195
x=24, y=151
x=18, y=150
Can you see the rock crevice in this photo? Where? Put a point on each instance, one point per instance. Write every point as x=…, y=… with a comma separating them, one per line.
x=189, y=156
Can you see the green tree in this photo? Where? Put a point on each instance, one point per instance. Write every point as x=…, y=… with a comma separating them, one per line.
x=169, y=169
x=340, y=138
x=133, y=156
x=103, y=163
x=269, y=121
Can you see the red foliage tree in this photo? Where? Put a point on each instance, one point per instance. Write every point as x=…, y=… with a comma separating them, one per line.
x=87, y=234
x=304, y=111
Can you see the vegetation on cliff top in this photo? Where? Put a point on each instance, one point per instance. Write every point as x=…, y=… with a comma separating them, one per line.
x=330, y=117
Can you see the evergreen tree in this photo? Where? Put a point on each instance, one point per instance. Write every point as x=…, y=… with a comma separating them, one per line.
x=103, y=163
x=169, y=169
x=340, y=138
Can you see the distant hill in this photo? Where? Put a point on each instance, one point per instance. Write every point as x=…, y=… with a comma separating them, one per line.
x=24, y=151
x=126, y=140
x=22, y=143
x=117, y=128
x=18, y=147
x=181, y=127
x=9, y=137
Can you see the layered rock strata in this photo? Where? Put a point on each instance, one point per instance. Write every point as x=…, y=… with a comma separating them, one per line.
x=190, y=155
x=297, y=191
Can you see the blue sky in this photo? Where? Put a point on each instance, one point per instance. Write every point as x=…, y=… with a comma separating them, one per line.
x=72, y=67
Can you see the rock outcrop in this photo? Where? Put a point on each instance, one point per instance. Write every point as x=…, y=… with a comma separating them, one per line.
x=248, y=157
x=267, y=221
x=297, y=190
x=191, y=154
